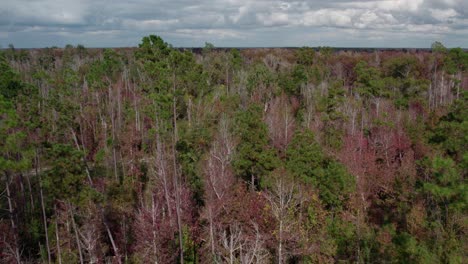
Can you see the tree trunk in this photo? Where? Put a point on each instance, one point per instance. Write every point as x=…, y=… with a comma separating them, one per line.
x=12, y=220
x=161, y=165
x=78, y=243
x=252, y=181
x=213, y=253
x=153, y=217
x=280, y=245
x=88, y=174
x=44, y=217
x=59, y=251
x=177, y=193
x=114, y=246
x=31, y=197
x=189, y=111
x=175, y=174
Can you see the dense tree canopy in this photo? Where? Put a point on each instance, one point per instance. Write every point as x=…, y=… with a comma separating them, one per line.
x=159, y=154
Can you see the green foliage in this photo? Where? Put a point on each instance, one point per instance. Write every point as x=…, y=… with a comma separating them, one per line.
x=254, y=157
x=305, y=159
x=259, y=78
x=400, y=80
x=456, y=61
x=368, y=82
x=409, y=250
x=120, y=196
x=153, y=54
x=335, y=184
x=235, y=59
x=190, y=246
x=190, y=148
x=438, y=47
x=208, y=48
x=103, y=72
x=153, y=49
x=403, y=80
x=189, y=76
x=451, y=132
x=401, y=67
x=12, y=149
x=305, y=56
x=344, y=237
x=10, y=83
x=304, y=156
x=326, y=51
x=175, y=76
x=446, y=185
x=447, y=199
x=334, y=99
x=65, y=177
x=332, y=116
x=291, y=82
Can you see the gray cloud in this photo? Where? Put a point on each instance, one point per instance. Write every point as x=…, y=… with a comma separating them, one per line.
x=388, y=23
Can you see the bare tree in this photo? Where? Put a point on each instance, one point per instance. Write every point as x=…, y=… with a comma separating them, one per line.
x=280, y=121
x=281, y=197
x=218, y=179
x=90, y=236
x=232, y=241
x=15, y=244
x=218, y=165
x=254, y=250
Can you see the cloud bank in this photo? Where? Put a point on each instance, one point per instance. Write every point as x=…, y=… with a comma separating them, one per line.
x=235, y=23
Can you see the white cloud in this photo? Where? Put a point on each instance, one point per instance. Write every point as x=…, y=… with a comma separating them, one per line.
x=443, y=15
x=151, y=24
x=234, y=22
x=242, y=11
x=387, y=5
x=208, y=33
x=428, y=28
x=273, y=19
x=43, y=12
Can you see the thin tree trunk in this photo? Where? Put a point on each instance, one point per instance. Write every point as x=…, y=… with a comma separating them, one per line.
x=115, y=163
x=114, y=246
x=177, y=193
x=231, y=249
x=153, y=217
x=44, y=217
x=31, y=197
x=119, y=106
x=189, y=111
x=252, y=180
x=163, y=174
x=113, y=123
x=227, y=78
x=175, y=174
x=59, y=251
x=137, y=114
x=78, y=243
x=88, y=174
x=280, y=246
x=13, y=225
x=23, y=194
x=124, y=231
x=174, y=106
x=213, y=253
x=430, y=96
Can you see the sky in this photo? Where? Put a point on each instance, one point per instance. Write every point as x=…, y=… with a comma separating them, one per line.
x=235, y=23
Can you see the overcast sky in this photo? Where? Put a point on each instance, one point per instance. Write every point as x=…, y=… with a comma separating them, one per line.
x=235, y=23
